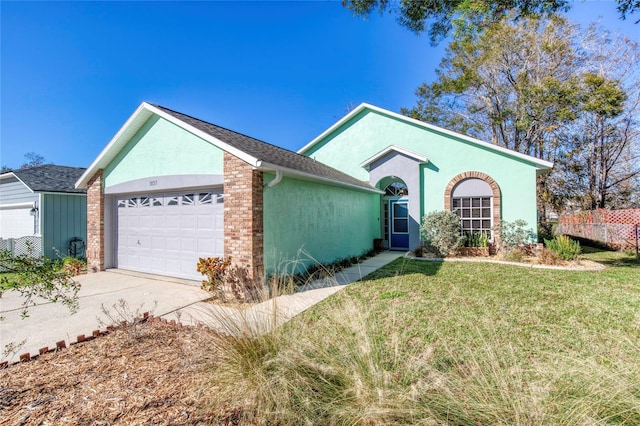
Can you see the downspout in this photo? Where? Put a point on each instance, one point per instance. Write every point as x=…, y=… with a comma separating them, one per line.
x=276, y=180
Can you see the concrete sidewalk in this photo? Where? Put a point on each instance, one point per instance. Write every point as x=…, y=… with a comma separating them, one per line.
x=276, y=311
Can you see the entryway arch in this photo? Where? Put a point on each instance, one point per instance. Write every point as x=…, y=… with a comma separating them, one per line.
x=395, y=213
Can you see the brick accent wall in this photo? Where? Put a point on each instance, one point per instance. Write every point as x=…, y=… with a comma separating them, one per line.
x=243, y=215
x=496, y=199
x=95, y=224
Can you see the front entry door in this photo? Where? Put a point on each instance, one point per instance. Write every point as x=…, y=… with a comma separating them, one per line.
x=399, y=221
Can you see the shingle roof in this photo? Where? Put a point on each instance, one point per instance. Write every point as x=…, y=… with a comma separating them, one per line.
x=50, y=178
x=267, y=152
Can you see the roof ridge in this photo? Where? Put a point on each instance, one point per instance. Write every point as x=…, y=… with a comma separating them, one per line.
x=232, y=131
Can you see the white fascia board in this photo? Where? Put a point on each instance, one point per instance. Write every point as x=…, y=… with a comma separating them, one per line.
x=128, y=129
x=17, y=205
x=337, y=124
x=203, y=135
x=314, y=178
x=421, y=158
x=11, y=174
x=540, y=164
x=131, y=127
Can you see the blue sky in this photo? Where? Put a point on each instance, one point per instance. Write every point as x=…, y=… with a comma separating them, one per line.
x=71, y=73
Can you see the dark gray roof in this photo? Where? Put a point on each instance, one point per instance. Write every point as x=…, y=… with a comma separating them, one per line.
x=50, y=178
x=267, y=152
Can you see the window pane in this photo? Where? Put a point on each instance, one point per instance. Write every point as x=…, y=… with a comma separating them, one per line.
x=466, y=224
x=486, y=212
x=476, y=213
x=400, y=225
x=486, y=224
x=476, y=224
x=475, y=202
x=400, y=210
x=456, y=202
x=466, y=213
x=486, y=202
x=466, y=202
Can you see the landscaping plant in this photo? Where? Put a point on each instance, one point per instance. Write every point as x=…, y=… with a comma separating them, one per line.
x=440, y=231
x=37, y=277
x=515, y=238
x=564, y=247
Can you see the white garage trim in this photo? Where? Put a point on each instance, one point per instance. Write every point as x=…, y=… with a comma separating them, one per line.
x=166, y=233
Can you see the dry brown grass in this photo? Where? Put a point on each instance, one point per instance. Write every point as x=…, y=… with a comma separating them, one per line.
x=157, y=377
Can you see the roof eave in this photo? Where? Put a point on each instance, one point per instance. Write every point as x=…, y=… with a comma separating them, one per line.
x=418, y=157
x=264, y=166
x=131, y=127
x=538, y=163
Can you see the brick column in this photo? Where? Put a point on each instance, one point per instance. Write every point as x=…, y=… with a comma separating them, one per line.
x=95, y=224
x=243, y=213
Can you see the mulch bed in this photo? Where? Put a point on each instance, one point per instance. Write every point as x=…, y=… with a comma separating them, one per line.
x=153, y=373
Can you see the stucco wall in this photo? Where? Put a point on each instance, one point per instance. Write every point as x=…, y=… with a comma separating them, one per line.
x=370, y=132
x=305, y=220
x=160, y=148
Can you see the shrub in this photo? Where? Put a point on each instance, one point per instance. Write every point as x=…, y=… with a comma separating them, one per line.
x=214, y=269
x=37, y=277
x=73, y=265
x=441, y=231
x=514, y=235
x=564, y=247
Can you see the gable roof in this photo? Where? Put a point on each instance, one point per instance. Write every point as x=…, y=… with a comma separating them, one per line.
x=394, y=148
x=49, y=178
x=538, y=163
x=262, y=155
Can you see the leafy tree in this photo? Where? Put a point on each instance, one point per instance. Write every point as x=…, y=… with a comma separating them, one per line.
x=37, y=277
x=439, y=17
x=33, y=159
x=546, y=88
x=604, y=149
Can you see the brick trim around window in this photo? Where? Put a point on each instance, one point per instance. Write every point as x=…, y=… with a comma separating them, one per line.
x=496, y=197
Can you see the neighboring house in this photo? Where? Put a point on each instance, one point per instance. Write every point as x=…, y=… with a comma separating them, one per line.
x=43, y=203
x=169, y=188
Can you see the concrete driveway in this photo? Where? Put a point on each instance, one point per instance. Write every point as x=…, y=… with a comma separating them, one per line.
x=170, y=298
x=49, y=323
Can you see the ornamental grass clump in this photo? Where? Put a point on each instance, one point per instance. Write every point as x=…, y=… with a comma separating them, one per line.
x=564, y=247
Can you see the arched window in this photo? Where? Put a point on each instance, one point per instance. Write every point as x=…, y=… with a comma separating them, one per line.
x=471, y=200
x=396, y=189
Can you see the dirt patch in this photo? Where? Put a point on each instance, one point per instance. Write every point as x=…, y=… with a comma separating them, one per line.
x=153, y=374
x=530, y=262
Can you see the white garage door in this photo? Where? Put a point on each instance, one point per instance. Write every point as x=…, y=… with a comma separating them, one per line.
x=165, y=234
x=16, y=222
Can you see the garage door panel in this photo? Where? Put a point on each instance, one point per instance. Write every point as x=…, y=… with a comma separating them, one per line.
x=167, y=233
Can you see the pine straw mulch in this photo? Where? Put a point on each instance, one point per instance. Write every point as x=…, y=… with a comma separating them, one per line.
x=153, y=373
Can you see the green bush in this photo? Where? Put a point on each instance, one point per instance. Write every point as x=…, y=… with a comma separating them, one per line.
x=564, y=247
x=514, y=235
x=441, y=231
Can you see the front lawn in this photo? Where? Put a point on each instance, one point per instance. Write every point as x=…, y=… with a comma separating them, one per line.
x=455, y=343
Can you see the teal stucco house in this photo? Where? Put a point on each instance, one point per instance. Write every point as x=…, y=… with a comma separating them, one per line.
x=170, y=188
x=41, y=205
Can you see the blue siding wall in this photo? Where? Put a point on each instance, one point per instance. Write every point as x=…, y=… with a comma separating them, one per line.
x=13, y=191
x=63, y=216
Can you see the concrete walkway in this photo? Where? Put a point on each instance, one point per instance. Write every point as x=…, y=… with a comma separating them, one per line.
x=274, y=312
x=182, y=300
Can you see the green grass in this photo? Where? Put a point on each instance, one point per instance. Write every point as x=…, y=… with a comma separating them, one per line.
x=450, y=343
x=6, y=280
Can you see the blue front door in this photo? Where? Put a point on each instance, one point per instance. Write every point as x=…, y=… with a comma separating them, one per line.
x=399, y=221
